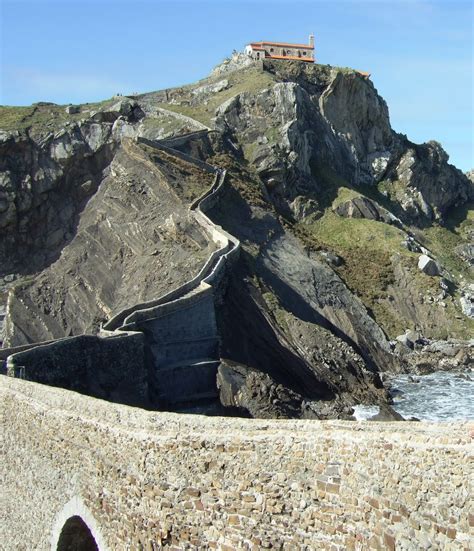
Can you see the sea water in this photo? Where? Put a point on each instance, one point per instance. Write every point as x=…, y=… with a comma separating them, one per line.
x=439, y=396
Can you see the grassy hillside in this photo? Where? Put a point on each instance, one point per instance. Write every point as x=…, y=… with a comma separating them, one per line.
x=373, y=253
x=202, y=107
x=43, y=117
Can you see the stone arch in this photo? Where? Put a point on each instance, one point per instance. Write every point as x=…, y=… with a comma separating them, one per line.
x=76, y=536
x=75, y=529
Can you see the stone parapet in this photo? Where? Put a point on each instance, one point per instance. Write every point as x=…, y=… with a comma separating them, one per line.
x=148, y=480
x=176, y=153
x=111, y=368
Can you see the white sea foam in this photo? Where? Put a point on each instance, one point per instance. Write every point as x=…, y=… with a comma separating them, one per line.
x=363, y=412
x=440, y=396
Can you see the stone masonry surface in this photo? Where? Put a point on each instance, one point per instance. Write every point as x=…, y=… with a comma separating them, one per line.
x=111, y=369
x=148, y=480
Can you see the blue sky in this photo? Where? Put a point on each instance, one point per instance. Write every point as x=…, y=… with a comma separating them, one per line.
x=420, y=52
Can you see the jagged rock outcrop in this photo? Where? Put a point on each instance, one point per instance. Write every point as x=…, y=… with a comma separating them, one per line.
x=366, y=133
x=238, y=60
x=46, y=179
x=425, y=356
x=318, y=119
x=412, y=178
x=467, y=300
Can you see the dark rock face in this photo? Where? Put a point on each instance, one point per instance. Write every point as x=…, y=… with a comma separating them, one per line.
x=46, y=180
x=255, y=394
x=366, y=131
x=295, y=348
x=43, y=188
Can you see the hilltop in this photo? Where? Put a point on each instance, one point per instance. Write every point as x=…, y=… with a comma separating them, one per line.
x=351, y=234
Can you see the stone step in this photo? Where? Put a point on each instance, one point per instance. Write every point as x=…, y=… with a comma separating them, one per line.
x=188, y=381
x=197, y=362
x=184, y=352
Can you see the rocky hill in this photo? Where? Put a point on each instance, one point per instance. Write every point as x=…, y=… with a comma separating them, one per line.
x=351, y=234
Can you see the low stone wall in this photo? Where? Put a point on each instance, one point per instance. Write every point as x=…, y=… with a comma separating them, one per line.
x=197, y=144
x=127, y=317
x=143, y=480
x=182, y=343
x=168, y=308
x=182, y=346
x=176, y=153
x=176, y=142
x=5, y=352
x=184, y=118
x=111, y=368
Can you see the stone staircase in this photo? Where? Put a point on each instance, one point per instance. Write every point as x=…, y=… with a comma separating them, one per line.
x=178, y=329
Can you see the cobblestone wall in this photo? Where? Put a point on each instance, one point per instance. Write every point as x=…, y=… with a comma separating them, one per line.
x=147, y=480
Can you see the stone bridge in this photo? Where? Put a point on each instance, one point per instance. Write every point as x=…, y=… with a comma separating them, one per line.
x=82, y=474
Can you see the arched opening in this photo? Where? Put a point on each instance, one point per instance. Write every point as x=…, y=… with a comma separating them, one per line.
x=76, y=536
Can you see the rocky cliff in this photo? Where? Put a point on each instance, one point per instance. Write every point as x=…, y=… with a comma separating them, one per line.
x=334, y=211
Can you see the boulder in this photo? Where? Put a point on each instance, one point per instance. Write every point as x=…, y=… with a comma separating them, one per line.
x=229, y=382
x=362, y=207
x=332, y=258
x=255, y=394
x=405, y=340
x=466, y=252
x=73, y=109
x=213, y=88
x=428, y=265
x=303, y=207
x=445, y=284
x=467, y=304
x=411, y=244
x=124, y=107
x=387, y=413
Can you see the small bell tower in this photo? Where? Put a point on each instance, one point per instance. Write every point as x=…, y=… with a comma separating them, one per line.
x=311, y=40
